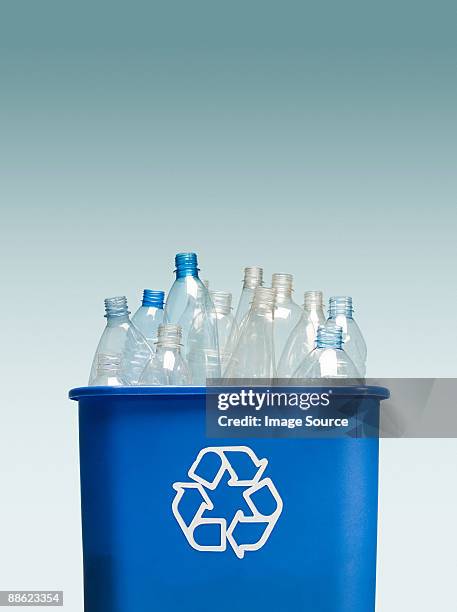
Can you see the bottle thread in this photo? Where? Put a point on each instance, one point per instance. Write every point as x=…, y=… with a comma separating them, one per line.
x=340, y=305
x=282, y=284
x=222, y=301
x=169, y=336
x=186, y=264
x=116, y=306
x=253, y=277
x=313, y=299
x=264, y=297
x=329, y=336
x=153, y=298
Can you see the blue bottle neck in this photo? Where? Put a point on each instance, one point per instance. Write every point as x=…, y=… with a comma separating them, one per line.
x=153, y=299
x=186, y=265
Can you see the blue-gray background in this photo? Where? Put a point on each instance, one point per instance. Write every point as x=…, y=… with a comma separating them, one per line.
x=313, y=138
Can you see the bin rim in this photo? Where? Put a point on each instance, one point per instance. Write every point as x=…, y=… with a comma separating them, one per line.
x=78, y=393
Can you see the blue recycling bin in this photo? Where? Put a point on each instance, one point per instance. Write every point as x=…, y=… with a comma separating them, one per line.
x=173, y=520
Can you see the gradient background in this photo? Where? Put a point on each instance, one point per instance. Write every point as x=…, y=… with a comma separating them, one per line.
x=318, y=139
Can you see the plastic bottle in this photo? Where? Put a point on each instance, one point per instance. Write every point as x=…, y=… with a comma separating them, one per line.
x=108, y=371
x=121, y=338
x=189, y=305
x=253, y=278
x=149, y=315
x=167, y=366
x=254, y=356
x=341, y=313
x=328, y=359
x=287, y=313
x=302, y=340
x=225, y=321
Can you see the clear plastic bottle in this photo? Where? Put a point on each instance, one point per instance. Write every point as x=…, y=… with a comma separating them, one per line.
x=253, y=278
x=123, y=339
x=108, y=371
x=254, y=356
x=149, y=315
x=190, y=306
x=287, y=313
x=167, y=366
x=341, y=313
x=226, y=323
x=328, y=359
x=302, y=340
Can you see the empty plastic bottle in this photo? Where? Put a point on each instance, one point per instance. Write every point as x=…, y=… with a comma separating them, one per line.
x=167, y=366
x=225, y=321
x=108, y=371
x=149, y=315
x=121, y=338
x=302, y=340
x=254, y=355
x=253, y=278
x=189, y=305
x=287, y=313
x=341, y=312
x=328, y=359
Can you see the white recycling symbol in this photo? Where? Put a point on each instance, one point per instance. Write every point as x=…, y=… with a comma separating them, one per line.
x=252, y=485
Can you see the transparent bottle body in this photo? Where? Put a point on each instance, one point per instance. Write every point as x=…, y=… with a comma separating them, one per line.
x=167, y=367
x=226, y=326
x=287, y=314
x=254, y=355
x=147, y=320
x=328, y=363
x=244, y=304
x=189, y=305
x=301, y=341
x=121, y=338
x=354, y=343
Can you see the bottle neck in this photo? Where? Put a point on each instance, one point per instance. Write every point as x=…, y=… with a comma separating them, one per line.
x=329, y=336
x=186, y=265
x=314, y=300
x=222, y=301
x=169, y=336
x=253, y=277
x=116, y=308
x=340, y=305
x=153, y=299
x=264, y=300
x=283, y=287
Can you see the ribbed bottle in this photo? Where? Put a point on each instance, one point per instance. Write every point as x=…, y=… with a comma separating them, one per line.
x=226, y=324
x=328, y=359
x=190, y=306
x=302, y=340
x=122, y=339
x=149, y=315
x=286, y=314
x=253, y=278
x=254, y=356
x=167, y=366
x=341, y=312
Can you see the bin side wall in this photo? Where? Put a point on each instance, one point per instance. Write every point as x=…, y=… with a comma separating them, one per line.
x=320, y=556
